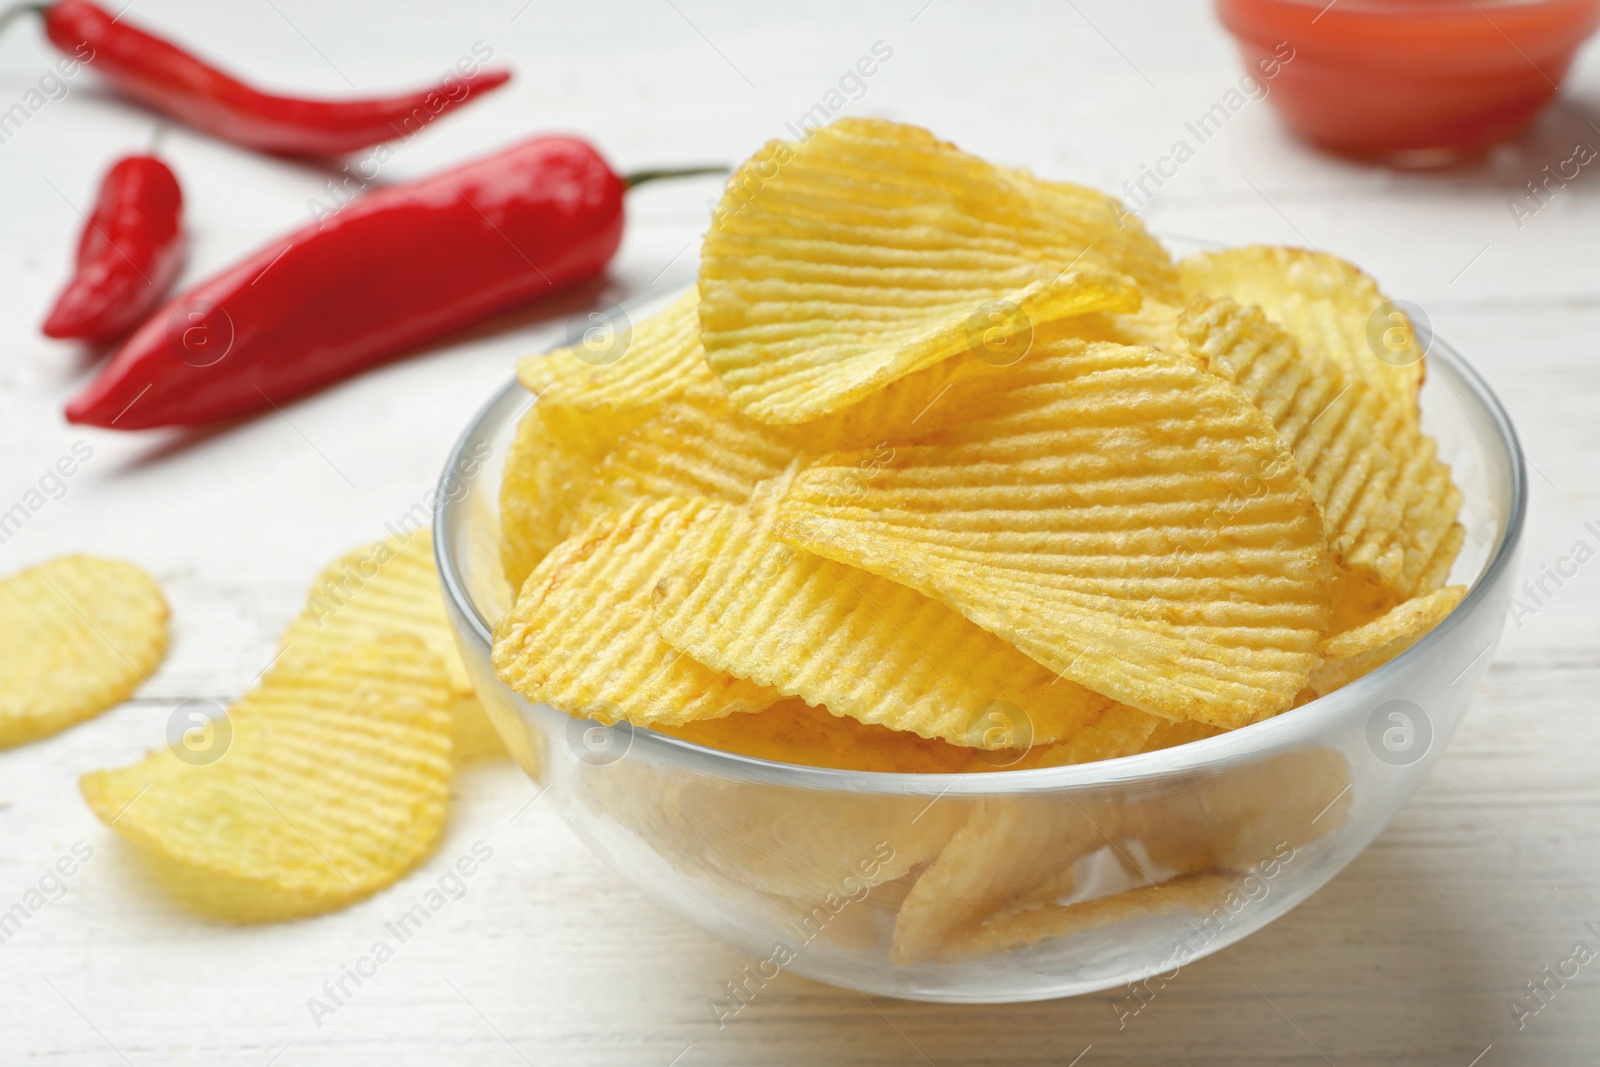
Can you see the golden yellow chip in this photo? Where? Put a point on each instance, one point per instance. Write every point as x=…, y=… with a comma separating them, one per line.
x=792, y=731
x=393, y=586
x=1361, y=651
x=742, y=602
x=538, y=493
x=620, y=367
x=1328, y=304
x=1437, y=571
x=81, y=633
x=1170, y=734
x=581, y=637
x=1198, y=893
x=1154, y=325
x=1387, y=501
x=872, y=250
x=330, y=783
x=1008, y=848
x=1123, y=517
x=1120, y=731
x=688, y=450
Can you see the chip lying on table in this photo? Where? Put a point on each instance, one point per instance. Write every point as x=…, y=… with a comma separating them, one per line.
x=945, y=467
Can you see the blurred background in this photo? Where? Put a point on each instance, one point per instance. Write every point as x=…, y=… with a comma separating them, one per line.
x=1410, y=956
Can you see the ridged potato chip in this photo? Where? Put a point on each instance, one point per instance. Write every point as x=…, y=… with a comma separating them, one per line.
x=81, y=633
x=738, y=600
x=392, y=586
x=1120, y=515
x=1154, y=325
x=792, y=731
x=333, y=785
x=547, y=474
x=827, y=274
x=1361, y=651
x=1387, y=502
x=1171, y=734
x=654, y=361
x=1331, y=306
x=1006, y=850
x=688, y=450
x=581, y=637
x=1120, y=731
x=1198, y=893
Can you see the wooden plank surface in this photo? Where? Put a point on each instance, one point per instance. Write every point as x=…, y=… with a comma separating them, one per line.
x=1410, y=956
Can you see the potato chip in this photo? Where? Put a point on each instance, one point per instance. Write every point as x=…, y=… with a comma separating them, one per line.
x=792, y=731
x=1199, y=893
x=1361, y=651
x=1154, y=325
x=827, y=274
x=1120, y=731
x=1358, y=598
x=1386, y=500
x=626, y=368
x=393, y=586
x=333, y=785
x=710, y=452
x=1328, y=304
x=546, y=475
x=81, y=633
x=1170, y=734
x=742, y=602
x=1007, y=849
x=805, y=844
x=1437, y=571
x=581, y=637
x=1239, y=817
x=1123, y=517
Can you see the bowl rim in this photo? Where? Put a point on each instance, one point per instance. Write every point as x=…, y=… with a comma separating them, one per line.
x=1208, y=754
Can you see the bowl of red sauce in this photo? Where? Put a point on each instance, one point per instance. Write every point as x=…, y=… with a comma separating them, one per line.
x=1410, y=81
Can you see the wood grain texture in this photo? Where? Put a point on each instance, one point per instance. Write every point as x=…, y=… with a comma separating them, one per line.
x=1409, y=957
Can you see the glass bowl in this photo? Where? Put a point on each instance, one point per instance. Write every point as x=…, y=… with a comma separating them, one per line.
x=1089, y=876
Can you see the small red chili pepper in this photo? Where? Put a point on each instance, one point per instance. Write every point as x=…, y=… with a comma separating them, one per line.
x=168, y=79
x=128, y=257
x=398, y=267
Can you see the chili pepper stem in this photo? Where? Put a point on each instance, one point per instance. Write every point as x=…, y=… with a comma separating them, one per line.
x=639, y=177
x=12, y=14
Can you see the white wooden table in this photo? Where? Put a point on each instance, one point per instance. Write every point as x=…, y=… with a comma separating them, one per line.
x=1410, y=956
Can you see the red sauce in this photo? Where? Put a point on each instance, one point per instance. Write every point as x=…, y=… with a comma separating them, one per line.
x=1411, y=79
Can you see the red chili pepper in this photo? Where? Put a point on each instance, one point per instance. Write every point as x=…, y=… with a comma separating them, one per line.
x=128, y=257
x=168, y=79
x=398, y=267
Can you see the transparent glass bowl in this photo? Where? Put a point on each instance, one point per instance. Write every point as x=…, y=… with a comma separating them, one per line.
x=1111, y=873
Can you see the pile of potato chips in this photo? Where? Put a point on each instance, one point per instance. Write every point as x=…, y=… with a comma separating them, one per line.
x=945, y=467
